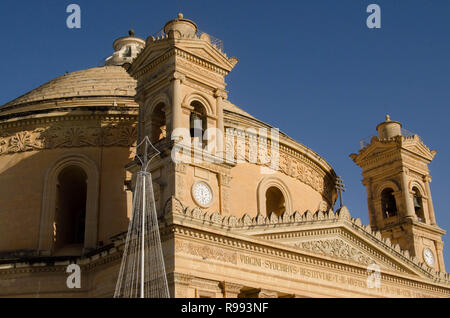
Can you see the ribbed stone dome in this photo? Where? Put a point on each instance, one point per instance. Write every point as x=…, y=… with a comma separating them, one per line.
x=107, y=81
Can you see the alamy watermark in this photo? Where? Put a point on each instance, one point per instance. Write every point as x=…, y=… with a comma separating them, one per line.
x=73, y=21
x=74, y=279
x=374, y=19
x=374, y=279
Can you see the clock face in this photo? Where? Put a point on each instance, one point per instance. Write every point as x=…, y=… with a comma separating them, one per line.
x=202, y=194
x=428, y=256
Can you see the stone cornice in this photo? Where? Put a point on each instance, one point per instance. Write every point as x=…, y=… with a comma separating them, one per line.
x=201, y=62
x=179, y=53
x=429, y=229
x=54, y=117
x=396, y=146
x=86, y=264
x=289, y=223
x=70, y=102
x=232, y=242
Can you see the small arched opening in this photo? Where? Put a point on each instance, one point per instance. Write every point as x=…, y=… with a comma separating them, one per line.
x=198, y=124
x=275, y=201
x=158, y=126
x=70, y=222
x=389, y=206
x=418, y=205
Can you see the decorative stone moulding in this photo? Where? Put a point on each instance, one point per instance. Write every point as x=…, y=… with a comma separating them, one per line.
x=61, y=136
x=175, y=208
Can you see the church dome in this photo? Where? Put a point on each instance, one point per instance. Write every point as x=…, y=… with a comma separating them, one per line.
x=99, y=86
x=82, y=126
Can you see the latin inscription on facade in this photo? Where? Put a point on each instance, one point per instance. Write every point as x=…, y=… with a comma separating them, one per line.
x=291, y=270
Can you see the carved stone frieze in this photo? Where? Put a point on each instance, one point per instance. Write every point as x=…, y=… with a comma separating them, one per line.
x=205, y=252
x=337, y=248
x=240, y=147
x=60, y=136
x=332, y=248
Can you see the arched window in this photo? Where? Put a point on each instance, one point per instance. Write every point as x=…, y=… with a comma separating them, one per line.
x=275, y=201
x=198, y=124
x=84, y=174
x=418, y=205
x=158, y=124
x=388, y=203
x=70, y=218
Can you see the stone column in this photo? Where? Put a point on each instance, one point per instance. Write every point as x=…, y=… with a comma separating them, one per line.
x=141, y=122
x=409, y=213
x=220, y=95
x=224, y=181
x=378, y=217
x=374, y=222
x=230, y=290
x=176, y=81
x=427, y=180
x=440, y=255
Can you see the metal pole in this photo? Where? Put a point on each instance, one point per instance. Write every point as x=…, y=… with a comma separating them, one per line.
x=143, y=238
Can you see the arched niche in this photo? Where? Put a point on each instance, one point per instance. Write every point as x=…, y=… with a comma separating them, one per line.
x=160, y=105
x=203, y=99
x=416, y=184
x=420, y=201
x=380, y=201
x=387, y=184
x=389, y=206
x=49, y=201
x=265, y=185
x=70, y=214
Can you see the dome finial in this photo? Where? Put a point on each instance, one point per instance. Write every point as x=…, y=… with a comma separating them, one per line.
x=388, y=118
x=131, y=32
x=180, y=15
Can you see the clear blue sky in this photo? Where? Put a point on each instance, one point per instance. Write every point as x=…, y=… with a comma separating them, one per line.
x=311, y=67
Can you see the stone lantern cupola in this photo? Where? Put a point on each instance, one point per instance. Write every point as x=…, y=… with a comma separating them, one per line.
x=125, y=50
x=183, y=27
x=389, y=129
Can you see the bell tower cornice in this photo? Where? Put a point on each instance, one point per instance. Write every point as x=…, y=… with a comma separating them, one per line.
x=399, y=146
x=141, y=67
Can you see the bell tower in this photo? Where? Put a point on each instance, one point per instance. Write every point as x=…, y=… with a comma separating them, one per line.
x=396, y=176
x=181, y=93
x=181, y=81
